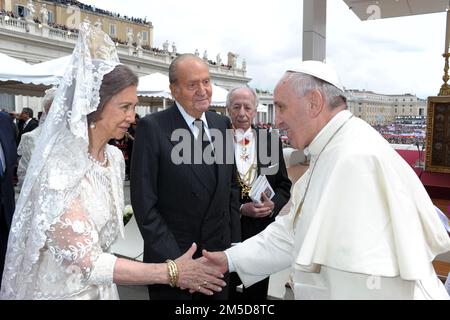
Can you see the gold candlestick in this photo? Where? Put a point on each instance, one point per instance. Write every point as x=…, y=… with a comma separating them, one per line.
x=445, y=88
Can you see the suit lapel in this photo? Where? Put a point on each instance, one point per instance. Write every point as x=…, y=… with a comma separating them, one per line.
x=221, y=169
x=202, y=173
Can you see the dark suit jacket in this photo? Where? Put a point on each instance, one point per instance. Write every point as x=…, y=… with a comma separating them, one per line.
x=279, y=181
x=7, y=139
x=176, y=205
x=33, y=124
x=7, y=200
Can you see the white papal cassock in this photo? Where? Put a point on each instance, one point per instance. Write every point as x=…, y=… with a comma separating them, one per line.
x=367, y=228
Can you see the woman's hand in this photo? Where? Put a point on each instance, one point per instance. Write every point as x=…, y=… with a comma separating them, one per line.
x=196, y=276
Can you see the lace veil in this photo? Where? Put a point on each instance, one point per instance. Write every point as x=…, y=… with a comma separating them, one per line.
x=59, y=161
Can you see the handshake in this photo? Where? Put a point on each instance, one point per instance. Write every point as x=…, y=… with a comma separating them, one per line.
x=204, y=275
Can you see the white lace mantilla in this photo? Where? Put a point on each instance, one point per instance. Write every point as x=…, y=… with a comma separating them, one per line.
x=69, y=211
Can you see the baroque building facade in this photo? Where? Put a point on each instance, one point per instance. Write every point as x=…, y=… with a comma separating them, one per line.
x=38, y=31
x=383, y=109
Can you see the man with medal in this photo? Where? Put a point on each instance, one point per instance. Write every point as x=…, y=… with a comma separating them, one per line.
x=252, y=154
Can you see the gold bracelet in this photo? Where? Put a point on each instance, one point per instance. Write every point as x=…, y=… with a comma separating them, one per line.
x=174, y=267
x=173, y=272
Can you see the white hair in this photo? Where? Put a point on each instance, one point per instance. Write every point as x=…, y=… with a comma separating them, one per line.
x=232, y=91
x=303, y=83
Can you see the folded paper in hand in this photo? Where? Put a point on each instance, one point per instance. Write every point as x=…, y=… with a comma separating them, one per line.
x=261, y=185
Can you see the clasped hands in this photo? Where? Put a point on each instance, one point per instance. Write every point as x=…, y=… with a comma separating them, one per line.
x=197, y=275
x=205, y=274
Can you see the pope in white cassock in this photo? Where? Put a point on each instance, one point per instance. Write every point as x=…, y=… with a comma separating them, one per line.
x=361, y=225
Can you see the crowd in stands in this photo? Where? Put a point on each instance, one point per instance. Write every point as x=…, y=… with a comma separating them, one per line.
x=394, y=133
x=101, y=11
x=400, y=133
x=259, y=91
x=222, y=65
x=11, y=14
x=63, y=27
x=115, y=39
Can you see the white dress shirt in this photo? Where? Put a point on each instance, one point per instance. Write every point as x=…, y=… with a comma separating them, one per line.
x=240, y=149
x=2, y=159
x=190, y=122
x=26, y=123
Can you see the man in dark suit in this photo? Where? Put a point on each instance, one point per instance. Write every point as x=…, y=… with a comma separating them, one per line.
x=253, y=153
x=8, y=158
x=175, y=203
x=27, y=123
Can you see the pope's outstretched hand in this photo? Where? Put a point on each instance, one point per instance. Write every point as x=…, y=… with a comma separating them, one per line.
x=215, y=261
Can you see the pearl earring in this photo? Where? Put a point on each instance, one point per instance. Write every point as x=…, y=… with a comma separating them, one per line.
x=92, y=125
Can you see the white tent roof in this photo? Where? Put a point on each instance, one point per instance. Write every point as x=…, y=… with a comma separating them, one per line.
x=219, y=96
x=50, y=72
x=157, y=85
x=53, y=68
x=10, y=65
x=45, y=73
x=154, y=85
x=18, y=78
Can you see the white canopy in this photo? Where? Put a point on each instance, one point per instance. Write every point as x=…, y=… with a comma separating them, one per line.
x=14, y=73
x=20, y=78
x=54, y=69
x=219, y=96
x=154, y=85
x=12, y=66
x=157, y=85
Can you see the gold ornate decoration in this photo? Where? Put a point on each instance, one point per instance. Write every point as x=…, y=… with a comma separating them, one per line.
x=445, y=88
x=437, y=159
x=246, y=180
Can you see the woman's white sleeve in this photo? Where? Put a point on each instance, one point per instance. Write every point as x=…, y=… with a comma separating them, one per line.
x=74, y=242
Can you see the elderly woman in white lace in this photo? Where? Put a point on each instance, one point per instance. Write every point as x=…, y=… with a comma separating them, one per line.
x=70, y=208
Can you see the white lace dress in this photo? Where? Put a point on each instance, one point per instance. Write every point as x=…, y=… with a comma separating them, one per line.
x=69, y=210
x=76, y=262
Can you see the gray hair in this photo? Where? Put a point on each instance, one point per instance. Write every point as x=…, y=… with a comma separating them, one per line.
x=119, y=78
x=232, y=91
x=173, y=66
x=303, y=83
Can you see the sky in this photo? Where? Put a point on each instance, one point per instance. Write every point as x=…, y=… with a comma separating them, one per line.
x=389, y=56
